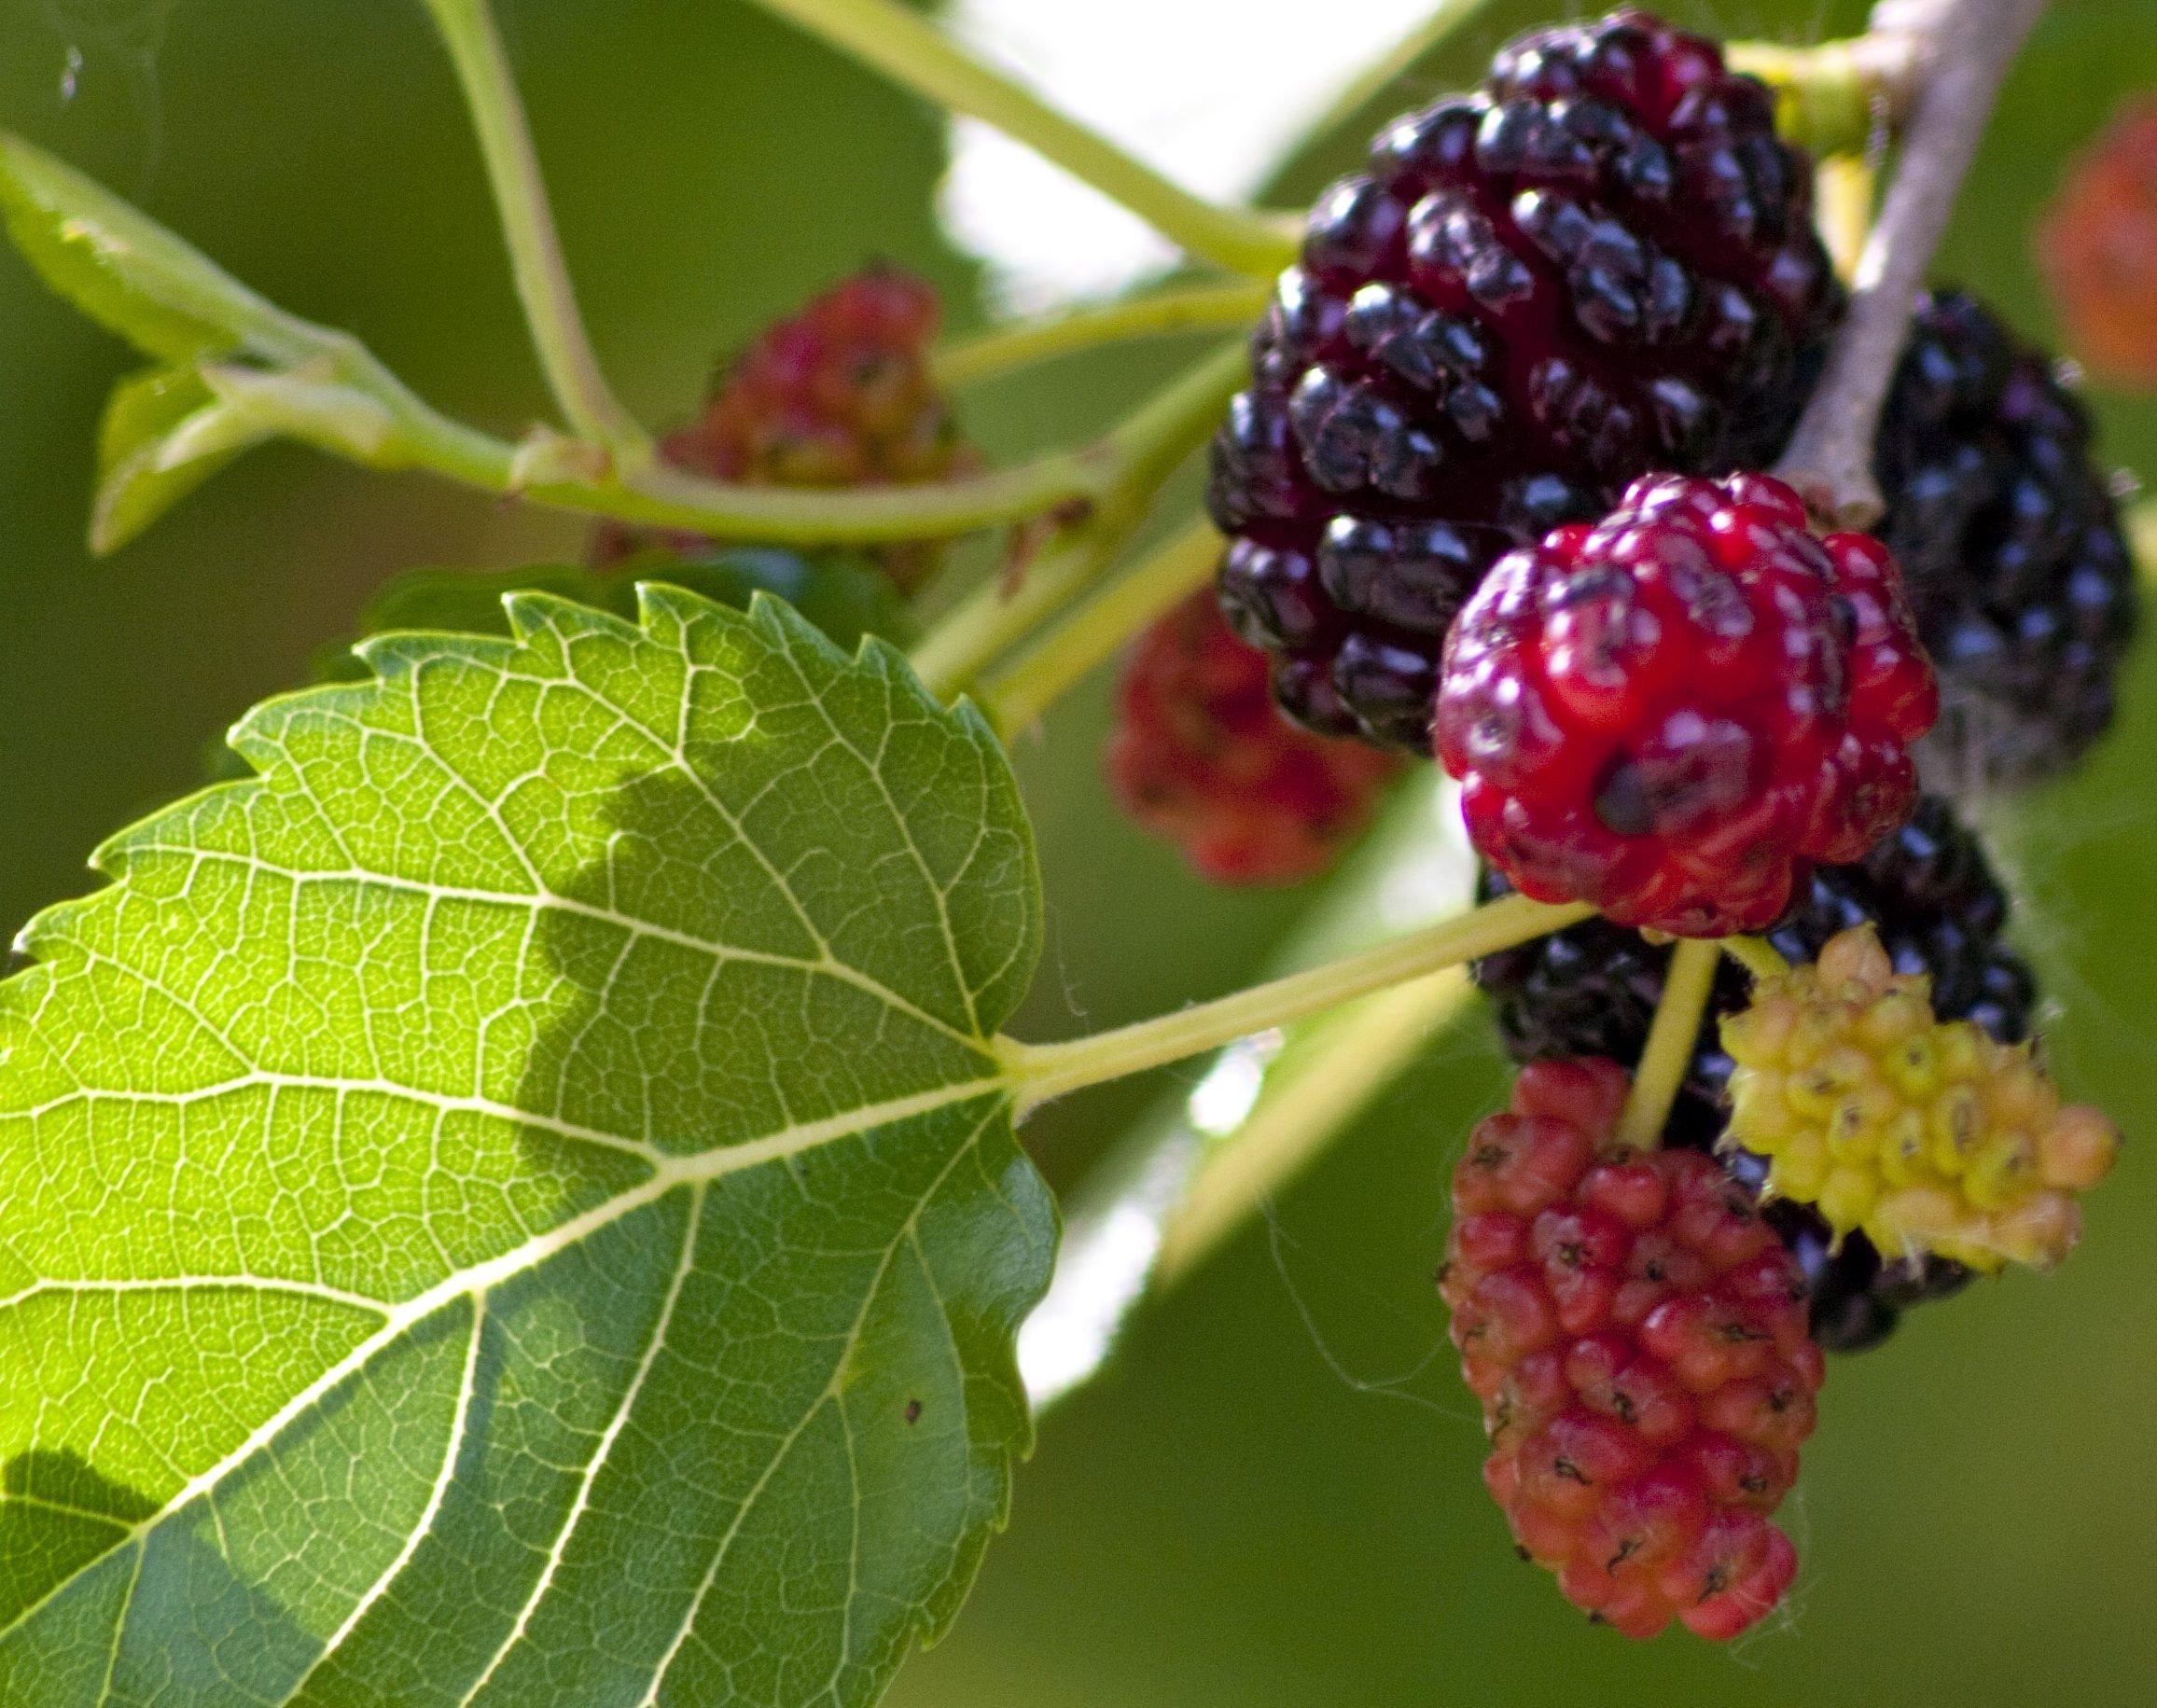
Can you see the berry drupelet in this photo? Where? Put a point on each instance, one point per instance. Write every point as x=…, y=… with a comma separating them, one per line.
x=1931, y=895
x=1636, y=1335
x=1602, y=263
x=2011, y=547
x=1928, y=1135
x=1671, y=714
x=838, y=395
x=1201, y=757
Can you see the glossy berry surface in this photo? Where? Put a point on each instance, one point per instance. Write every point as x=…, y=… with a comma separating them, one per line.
x=1671, y=714
x=838, y=395
x=1601, y=263
x=2011, y=547
x=1637, y=1337
x=1930, y=892
x=2097, y=244
x=1201, y=757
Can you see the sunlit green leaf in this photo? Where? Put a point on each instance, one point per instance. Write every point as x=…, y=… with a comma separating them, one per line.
x=518, y=1204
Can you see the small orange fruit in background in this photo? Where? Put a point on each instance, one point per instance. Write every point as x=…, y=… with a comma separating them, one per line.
x=2098, y=246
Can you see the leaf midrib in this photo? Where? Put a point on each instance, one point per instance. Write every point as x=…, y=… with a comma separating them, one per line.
x=400, y=1319
x=540, y=901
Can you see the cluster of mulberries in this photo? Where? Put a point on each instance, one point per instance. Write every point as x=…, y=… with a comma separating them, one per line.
x=1489, y=496
x=1486, y=495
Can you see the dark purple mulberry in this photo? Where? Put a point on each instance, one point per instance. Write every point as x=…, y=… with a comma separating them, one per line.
x=1601, y=264
x=2011, y=547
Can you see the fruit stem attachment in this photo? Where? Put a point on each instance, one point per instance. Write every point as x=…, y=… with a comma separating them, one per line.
x=1017, y=694
x=1757, y=955
x=1003, y=349
x=1836, y=96
x=1829, y=458
x=1144, y=451
x=543, y=283
x=911, y=51
x=1844, y=190
x=1043, y=1071
x=1671, y=1038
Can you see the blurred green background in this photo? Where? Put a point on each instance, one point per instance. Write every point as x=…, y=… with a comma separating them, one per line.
x=1249, y=1508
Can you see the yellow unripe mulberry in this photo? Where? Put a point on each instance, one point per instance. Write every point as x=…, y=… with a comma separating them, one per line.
x=1928, y=1137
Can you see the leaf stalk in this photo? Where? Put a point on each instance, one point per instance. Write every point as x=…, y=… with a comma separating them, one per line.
x=1043, y=1071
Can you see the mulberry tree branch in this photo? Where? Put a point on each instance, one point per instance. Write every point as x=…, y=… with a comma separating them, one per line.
x=1829, y=459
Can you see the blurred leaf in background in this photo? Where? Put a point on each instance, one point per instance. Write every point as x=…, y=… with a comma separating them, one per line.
x=1250, y=1509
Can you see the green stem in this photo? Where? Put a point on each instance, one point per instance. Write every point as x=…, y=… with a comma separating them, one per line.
x=1843, y=193
x=1671, y=1038
x=543, y=283
x=1757, y=955
x=1043, y=1071
x=1837, y=97
x=1305, y=1105
x=1145, y=450
x=1016, y=695
x=913, y=51
x=1207, y=307
x=657, y=494
x=1111, y=479
x=2142, y=536
x=666, y=497
x=1390, y=67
